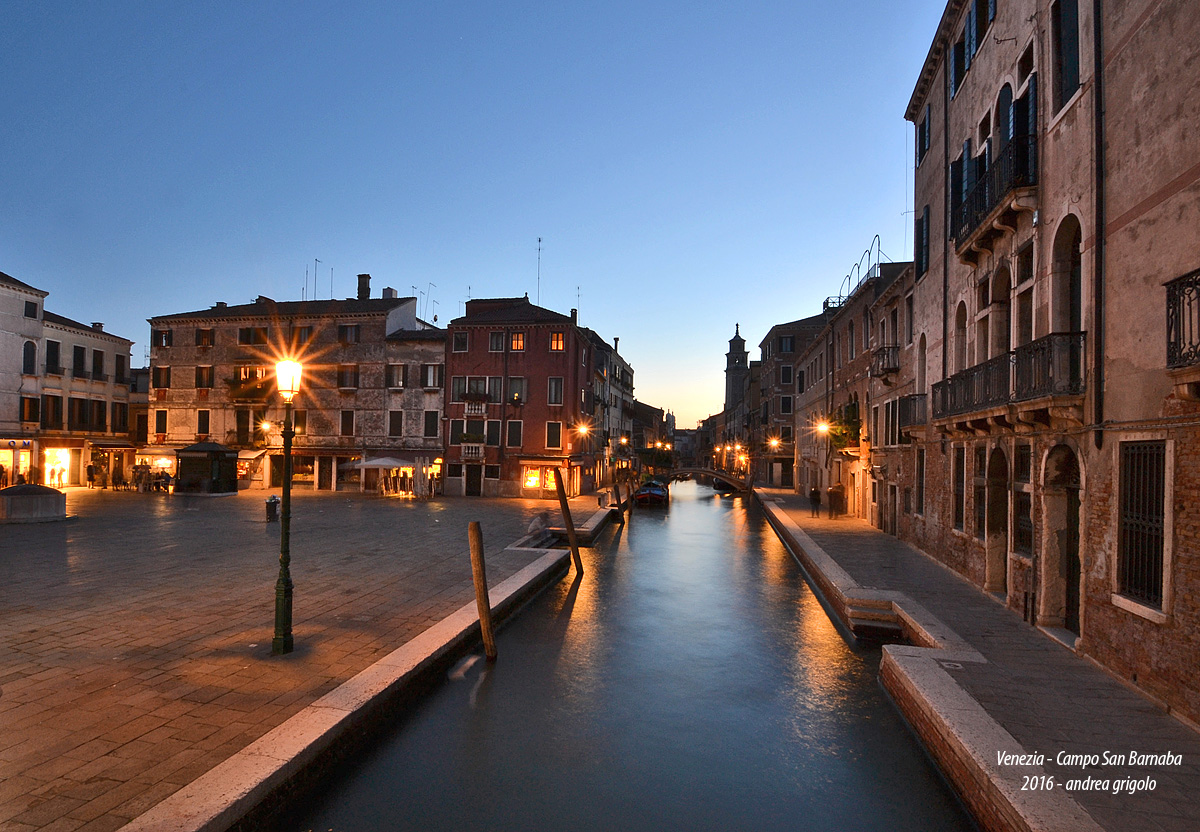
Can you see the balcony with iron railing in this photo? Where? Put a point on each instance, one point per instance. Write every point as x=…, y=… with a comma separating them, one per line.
x=1183, y=321
x=1052, y=366
x=913, y=410
x=1009, y=185
x=885, y=360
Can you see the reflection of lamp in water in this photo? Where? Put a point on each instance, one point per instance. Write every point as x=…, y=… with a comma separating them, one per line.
x=287, y=376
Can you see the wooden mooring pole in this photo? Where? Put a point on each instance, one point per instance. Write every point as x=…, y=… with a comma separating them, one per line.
x=566, y=513
x=479, y=575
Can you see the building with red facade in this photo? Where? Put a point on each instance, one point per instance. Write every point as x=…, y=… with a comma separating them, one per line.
x=520, y=401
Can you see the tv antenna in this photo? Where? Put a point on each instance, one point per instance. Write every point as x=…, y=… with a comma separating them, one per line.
x=539, y=273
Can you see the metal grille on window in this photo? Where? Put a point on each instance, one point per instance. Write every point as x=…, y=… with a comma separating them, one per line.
x=1143, y=474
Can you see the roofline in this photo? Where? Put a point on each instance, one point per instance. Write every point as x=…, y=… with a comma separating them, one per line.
x=933, y=58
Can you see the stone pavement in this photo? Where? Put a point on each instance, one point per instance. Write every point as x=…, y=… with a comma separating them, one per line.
x=135, y=638
x=1047, y=697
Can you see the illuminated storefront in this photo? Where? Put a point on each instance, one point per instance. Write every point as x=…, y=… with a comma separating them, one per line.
x=16, y=455
x=59, y=469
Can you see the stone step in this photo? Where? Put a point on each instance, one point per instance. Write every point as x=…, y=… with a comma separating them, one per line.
x=876, y=631
x=871, y=612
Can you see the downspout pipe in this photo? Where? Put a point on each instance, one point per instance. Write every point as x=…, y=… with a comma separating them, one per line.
x=1098, y=288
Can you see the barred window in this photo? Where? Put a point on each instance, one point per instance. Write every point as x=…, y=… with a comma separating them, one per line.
x=1143, y=487
x=960, y=476
x=1023, y=522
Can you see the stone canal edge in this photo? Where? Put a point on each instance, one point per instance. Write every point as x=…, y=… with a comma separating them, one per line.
x=248, y=781
x=960, y=736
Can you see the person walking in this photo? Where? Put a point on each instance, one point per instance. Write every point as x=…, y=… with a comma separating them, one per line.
x=814, y=499
x=91, y=475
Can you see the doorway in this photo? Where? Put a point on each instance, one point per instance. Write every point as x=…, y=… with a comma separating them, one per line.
x=474, y=480
x=996, y=544
x=1062, y=571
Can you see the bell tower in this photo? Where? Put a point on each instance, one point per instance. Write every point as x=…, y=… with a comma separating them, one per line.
x=737, y=369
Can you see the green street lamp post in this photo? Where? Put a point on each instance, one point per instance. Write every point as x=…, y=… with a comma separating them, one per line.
x=287, y=375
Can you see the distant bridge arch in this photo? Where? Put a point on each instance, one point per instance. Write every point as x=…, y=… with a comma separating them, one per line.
x=724, y=476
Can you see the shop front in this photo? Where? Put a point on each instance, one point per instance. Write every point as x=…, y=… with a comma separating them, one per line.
x=538, y=476
x=61, y=463
x=152, y=465
x=112, y=460
x=16, y=456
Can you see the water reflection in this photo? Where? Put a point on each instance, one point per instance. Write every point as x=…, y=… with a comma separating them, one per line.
x=689, y=681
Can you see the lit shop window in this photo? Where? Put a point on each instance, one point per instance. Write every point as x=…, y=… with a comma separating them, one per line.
x=533, y=478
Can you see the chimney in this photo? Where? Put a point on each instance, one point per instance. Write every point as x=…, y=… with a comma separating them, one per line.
x=616, y=345
x=364, y=286
x=389, y=293
x=574, y=316
x=220, y=305
x=96, y=325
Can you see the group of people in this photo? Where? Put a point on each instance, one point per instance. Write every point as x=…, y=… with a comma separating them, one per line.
x=837, y=500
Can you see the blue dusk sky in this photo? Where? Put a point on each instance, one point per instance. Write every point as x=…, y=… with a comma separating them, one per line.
x=688, y=166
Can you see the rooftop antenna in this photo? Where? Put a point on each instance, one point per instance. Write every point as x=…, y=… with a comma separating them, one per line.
x=539, y=273
x=315, y=262
x=435, y=311
x=331, y=282
x=428, y=294
x=304, y=294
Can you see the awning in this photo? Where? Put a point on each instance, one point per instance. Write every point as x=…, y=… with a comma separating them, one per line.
x=386, y=462
x=252, y=454
x=158, y=450
x=112, y=444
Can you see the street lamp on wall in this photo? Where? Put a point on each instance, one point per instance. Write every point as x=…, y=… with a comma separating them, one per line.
x=287, y=378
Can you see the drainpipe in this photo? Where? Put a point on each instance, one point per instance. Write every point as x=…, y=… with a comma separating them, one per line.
x=946, y=222
x=1098, y=291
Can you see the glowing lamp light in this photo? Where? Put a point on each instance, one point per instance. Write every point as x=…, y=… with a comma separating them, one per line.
x=624, y=440
x=822, y=427
x=658, y=444
x=583, y=430
x=774, y=443
x=287, y=377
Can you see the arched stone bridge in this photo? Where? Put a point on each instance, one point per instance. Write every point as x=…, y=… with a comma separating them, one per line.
x=725, y=476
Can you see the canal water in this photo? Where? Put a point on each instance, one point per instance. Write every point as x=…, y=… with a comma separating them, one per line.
x=690, y=681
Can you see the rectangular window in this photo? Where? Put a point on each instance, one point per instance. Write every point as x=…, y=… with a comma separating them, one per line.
x=516, y=390
x=558, y=341
x=161, y=338
x=473, y=431
x=202, y=422
x=960, y=478
x=1064, y=35
x=476, y=387
x=204, y=338
x=161, y=377
x=923, y=135
x=495, y=342
x=29, y=409
x=160, y=421
x=1024, y=462
x=348, y=334
x=1142, y=521
x=53, y=359
x=120, y=417
x=517, y=342
x=785, y=404
x=458, y=388
x=204, y=379
x=79, y=363
x=554, y=434
x=347, y=377
x=98, y=415
x=513, y=440
x=300, y=422
x=495, y=389
x=460, y=342
x=785, y=375
x=850, y=338
x=242, y=431
x=787, y=343
x=491, y=472
x=52, y=412
x=31, y=309
x=908, y=319
x=301, y=335
x=432, y=376
x=799, y=381
x=397, y=376
x=98, y=366
x=431, y=423
x=395, y=423
x=554, y=390
x=920, y=477
x=252, y=335
x=454, y=470
x=121, y=362
x=347, y=423
x=492, y=434
x=980, y=510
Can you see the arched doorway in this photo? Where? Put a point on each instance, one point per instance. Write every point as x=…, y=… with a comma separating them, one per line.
x=1001, y=314
x=960, y=338
x=996, y=544
x=1066, y=297
x=1061, y=570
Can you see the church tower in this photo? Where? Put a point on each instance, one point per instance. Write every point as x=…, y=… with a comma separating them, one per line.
x=737, y=369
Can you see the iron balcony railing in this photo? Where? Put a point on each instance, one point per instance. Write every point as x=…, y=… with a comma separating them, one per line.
x=912, y=410
x=1183, y=321
x=1050, y=366
x=885, y=360
x=1015, y=166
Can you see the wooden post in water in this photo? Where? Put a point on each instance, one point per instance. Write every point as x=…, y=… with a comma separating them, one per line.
x=566, y=513
x=620, y=506
x=479, y=575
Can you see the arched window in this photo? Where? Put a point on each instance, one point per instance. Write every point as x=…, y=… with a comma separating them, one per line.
x=960, y=338
x=29, y=363
x=1004, y=118
x=1001, y=315
x=921, y=364
x=1066, y=301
